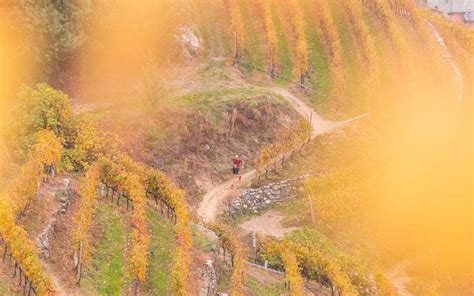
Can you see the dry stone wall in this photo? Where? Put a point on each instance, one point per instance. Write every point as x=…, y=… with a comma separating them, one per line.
x=257, y=199
x=64, y=196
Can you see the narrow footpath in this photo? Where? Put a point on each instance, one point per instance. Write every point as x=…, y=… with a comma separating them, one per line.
x=213, y=202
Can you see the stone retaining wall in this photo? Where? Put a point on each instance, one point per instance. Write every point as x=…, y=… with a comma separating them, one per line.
x=257, y=199
x=64, y=196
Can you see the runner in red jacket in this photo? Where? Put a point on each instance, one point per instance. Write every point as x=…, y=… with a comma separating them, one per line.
x=237, y=163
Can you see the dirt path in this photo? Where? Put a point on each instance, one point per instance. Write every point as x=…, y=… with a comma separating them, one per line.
x=60, y=288
x=213, y=202
x=399, y=278
x=268, y=224
x=53, y=218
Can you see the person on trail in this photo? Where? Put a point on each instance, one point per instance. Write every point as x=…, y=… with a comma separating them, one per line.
x=237, y=163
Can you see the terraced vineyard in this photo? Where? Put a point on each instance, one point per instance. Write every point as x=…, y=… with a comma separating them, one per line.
x=119, y=122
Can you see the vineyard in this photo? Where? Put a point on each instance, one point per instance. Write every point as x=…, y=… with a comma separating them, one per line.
x=120, y=124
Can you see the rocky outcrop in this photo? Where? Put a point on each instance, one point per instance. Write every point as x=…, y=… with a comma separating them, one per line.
x=209, y=279
x=190, y=44
x=43, y=240
x=257, y=199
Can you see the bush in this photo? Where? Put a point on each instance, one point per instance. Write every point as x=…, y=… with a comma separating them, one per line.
x=45, y=108
x=40, y=108
x=89, y=143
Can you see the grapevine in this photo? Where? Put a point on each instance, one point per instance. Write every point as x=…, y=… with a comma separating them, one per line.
x=237, y=27
x=229, y=241
x=463, y=35
x=46, y=152
x=271, y=33
x=139, y=253
x=326, y=23
x=22, y=249
x=355, y=16
x=312, y=261
x=383, y=11
x=289, y=140
x=159, y=187
x=302, y=51
x=292, y=272
x=81, y=235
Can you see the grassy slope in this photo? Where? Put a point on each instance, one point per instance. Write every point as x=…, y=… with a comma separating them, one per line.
x=354, y=75
x=107, y=272
x=257, y=288
x=284, y=61
x=254, y=33
x=161, y=254
x=319, y=79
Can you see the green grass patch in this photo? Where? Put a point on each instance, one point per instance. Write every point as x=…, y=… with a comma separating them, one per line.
x=200, y=240
x=223, y=281
x=284, y=62
x=215, y=101
x=107, y=273
x=257, y=288
x=319, y=76
x=252, y=51
x=161, y=253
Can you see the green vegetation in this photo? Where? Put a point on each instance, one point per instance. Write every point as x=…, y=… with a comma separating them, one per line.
x=39, y=108
x=107, y=273
x=53, y=31
x=284, y=64
x=223, y=280
x=200, y=240
x=46, y=108
x=253, y=52
x=161, y=255
x=257, y=288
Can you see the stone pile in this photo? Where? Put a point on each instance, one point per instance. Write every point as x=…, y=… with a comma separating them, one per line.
x=257, y=199
x=210, y=280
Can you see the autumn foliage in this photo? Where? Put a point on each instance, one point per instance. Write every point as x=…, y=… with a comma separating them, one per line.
x=122, y=176
x=270, y=32
x=354, y=13
x=383, y=11
x=311, y=260
x=230, y=242
x=81, y=234
x=325, y=21
x=288, y=141
x=302, y=48
x=45, y=154
x=22, y=249
x=237, y=27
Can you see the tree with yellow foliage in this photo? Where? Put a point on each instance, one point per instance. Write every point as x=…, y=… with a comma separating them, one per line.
x=48, y=150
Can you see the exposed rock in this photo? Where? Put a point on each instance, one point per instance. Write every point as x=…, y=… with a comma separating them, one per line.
x=210, y=280
x=190, y=43
x=44, y=238
x=257, y=199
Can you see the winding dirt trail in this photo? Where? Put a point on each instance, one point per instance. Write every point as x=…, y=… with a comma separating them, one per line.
x=213, y=202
